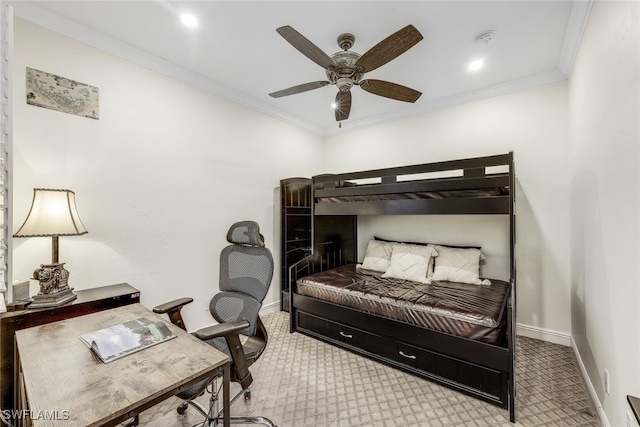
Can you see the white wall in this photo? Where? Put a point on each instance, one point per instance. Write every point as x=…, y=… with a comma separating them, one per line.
x=532, y=123
x=158, y=179
x=167, y=168
x=604, y=101
x=491, y=232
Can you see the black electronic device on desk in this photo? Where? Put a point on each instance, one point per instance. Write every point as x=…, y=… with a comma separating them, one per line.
x=21, y=298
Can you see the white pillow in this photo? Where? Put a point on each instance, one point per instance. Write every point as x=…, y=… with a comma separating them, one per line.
x=410, y=262
x=458, y=265
x=378, y=255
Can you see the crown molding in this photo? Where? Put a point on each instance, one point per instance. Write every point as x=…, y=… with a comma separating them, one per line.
x=453, y=101
x=86, y=35
x=578, y=16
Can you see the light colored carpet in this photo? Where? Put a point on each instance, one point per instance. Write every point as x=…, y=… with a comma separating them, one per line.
x=301, y=381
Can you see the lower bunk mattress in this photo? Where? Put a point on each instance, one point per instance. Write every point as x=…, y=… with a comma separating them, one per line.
x=471, y=311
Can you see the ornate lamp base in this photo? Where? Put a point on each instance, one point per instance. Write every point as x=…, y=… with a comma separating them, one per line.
x=54, y=289
x=53, y=300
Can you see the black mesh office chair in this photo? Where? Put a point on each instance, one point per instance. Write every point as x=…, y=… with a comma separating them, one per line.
x=246, y=269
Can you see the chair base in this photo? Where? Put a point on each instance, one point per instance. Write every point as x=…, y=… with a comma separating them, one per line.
x=211, y=420
x=252, y=420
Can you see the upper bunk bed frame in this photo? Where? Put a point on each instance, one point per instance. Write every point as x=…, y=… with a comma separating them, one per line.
x=468, y=192
x=474, y=186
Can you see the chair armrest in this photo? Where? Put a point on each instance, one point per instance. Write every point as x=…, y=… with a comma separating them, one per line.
x=230, y=332
x=172, y=308
x=171, y=305
x=221, y=330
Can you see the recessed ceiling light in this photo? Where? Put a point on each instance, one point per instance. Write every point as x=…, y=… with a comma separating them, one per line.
x=476, y=65
x=189, y=20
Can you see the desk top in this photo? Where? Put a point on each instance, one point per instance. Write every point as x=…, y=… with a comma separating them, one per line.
x=65, y=379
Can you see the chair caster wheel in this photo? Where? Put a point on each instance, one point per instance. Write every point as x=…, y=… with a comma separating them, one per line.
x=247, y=394
x=182, y=408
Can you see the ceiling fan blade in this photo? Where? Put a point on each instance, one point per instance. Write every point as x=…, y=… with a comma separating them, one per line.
x=343, y=106
x=305, y=47
x=391, y=47
x=390, y=90
x=299, y=88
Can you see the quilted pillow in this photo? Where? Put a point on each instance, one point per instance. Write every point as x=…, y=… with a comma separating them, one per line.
x=378, y=256
x=458, y=265
x=410, y=262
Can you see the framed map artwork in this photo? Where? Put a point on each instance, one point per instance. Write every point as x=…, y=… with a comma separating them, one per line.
x=61, y=94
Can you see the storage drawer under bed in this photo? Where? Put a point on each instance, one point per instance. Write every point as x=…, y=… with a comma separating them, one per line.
x=462, y=374
x=340, y=333
x=468, y=374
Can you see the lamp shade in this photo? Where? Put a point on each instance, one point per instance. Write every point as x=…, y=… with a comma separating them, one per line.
x=52, y=213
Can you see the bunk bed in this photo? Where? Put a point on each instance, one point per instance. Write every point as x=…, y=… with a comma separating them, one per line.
x=334, y=300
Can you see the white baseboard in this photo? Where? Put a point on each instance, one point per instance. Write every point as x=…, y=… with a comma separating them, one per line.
x=548, y=335
x=592, y=391
x=566, y=340
x=272, y=307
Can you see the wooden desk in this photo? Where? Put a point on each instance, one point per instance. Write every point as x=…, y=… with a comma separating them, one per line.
x=88, y=301
x=61, y=376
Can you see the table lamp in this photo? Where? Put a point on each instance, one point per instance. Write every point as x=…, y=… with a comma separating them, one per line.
x=53, y=213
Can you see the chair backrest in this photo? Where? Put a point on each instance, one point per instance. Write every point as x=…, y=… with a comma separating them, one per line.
x=246, y=269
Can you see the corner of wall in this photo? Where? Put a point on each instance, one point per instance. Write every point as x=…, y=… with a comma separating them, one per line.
x=602, y=416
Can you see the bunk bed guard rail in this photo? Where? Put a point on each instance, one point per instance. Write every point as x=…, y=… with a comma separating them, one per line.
x=478, y=185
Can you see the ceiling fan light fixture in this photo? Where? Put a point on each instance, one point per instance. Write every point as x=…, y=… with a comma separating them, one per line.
x=344, y=84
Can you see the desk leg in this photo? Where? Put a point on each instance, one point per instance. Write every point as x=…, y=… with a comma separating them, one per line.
x=16, y=376
x=226, y=407
x=19, y=393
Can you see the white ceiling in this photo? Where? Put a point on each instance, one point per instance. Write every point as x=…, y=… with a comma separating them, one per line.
x=237, y=54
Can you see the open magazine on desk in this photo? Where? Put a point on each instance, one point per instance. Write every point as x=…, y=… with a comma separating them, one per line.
x=117, y=341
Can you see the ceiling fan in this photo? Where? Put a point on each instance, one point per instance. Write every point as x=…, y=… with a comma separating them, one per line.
x=346, y=68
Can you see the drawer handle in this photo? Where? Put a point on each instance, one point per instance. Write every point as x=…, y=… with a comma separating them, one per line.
x=408, y=356
x=346, y=335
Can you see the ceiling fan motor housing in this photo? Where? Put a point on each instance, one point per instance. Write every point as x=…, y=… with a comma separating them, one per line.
x=345, y=74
